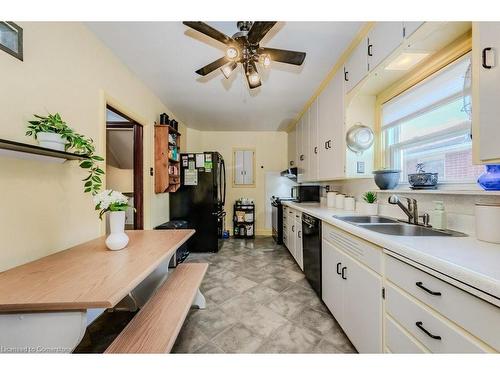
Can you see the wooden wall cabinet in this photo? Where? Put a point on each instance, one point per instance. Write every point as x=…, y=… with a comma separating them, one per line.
x=167, y=161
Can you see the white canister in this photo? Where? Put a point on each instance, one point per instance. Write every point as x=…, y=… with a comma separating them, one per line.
x=330, y=199
x=349, y=203
x=339, y=201
x=487, y=219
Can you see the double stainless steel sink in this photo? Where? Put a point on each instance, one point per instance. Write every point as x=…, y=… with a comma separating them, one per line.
x=386, y=225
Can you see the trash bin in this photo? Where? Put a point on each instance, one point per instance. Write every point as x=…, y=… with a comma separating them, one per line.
x=182, y=252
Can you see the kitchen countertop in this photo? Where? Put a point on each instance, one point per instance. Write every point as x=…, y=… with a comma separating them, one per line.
x=466, y=262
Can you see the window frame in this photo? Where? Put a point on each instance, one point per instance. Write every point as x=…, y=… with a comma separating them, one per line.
x=441, y=59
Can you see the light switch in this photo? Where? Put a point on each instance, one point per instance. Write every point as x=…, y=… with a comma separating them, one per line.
x=360, y=167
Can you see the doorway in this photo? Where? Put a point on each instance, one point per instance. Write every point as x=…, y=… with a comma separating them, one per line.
x=124, y=163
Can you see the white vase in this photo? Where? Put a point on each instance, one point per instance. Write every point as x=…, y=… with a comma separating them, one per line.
x=117, y=239
x=371, y=209
x=51, y=140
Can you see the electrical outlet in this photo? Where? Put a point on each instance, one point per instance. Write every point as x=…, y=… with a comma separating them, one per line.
x=360, y=167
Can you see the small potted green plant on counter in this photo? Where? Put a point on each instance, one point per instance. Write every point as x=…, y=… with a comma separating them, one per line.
x=52, y=132
x=371, y=204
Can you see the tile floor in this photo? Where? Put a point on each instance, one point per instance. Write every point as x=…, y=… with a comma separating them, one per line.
x=258, y=301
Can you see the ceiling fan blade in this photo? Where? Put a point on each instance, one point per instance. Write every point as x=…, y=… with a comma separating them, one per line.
x=212, y=66
x=203, y=28
x=259, y=30
x=284, y=56
x=252, y=75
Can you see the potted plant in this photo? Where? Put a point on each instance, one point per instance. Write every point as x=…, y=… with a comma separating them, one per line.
x=52, y=132
x=371, y=206
x=116, y=204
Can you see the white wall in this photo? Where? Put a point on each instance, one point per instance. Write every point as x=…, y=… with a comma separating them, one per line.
x=66, y=69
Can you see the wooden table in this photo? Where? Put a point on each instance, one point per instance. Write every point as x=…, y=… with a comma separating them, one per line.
x=60, y=288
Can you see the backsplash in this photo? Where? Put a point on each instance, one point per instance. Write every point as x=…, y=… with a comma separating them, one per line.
x=459, y=208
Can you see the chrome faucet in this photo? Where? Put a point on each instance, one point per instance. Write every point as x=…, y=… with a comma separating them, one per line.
x=411, y=209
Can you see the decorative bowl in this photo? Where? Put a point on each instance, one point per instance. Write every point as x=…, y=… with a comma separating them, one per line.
x=423, y=180
x=387, y=179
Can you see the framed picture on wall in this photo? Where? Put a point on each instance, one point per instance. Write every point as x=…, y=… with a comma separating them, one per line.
x=11, y=39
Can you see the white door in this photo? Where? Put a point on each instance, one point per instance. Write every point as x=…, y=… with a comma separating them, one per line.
x=410, y=27
x=331, y=130
x=362, y=318
x=383, y=39
x=313, y=142
x=331, y=281
x=239, y=168
x=298, y=244
x=248, y=165
x=356, y=67
x=486, y=93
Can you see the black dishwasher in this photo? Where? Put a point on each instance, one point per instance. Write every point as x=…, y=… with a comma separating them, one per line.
x=311, y=249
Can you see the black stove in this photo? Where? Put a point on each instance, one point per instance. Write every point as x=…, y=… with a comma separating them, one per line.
x=277, y=218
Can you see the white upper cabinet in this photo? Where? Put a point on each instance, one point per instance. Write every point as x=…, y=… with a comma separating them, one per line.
x=410, y=27
x=305, y=147
x=356, y=67
x=383, y=39
x=292, y=148
x=313, y=142
x=331, y=129
x=486, y=90
x=298, y=149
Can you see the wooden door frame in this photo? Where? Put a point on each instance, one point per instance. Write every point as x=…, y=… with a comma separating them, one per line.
x=138, y=134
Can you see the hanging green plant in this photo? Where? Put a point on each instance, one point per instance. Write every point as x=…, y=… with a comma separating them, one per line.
x=70, y=141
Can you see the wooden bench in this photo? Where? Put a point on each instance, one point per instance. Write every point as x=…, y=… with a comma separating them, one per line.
x=156, y=326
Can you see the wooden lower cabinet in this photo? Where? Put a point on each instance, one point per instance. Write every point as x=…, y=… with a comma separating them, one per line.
x=353, y=293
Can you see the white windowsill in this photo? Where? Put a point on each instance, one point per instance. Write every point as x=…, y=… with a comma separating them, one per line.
x=448, y=189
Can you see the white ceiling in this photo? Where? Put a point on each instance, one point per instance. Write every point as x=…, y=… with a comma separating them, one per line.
x=165, y=56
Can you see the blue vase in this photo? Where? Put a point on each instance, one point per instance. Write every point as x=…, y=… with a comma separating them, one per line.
x=490, y=179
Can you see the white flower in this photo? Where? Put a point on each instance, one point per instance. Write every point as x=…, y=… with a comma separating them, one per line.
x=107, y=197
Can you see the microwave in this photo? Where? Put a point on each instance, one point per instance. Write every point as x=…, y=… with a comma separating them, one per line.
x=306, y=193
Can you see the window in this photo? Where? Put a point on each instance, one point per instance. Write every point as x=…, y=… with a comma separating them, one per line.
x=427, y=124
x=244, y=167
x=11, y=39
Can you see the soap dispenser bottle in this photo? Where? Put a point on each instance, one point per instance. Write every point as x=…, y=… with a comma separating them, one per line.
x=438, y=216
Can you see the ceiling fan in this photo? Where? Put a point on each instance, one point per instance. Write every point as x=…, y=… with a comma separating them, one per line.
x=243, y=47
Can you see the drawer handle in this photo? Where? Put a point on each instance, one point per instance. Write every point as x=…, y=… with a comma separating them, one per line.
x=421, y=286
x=421, y=326
x=338, y=265
x=343, y=273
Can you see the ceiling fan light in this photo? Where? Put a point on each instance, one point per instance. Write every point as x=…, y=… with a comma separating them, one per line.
x=232, y=53
x=228, y=69
x=266, y=60
x=254, y=79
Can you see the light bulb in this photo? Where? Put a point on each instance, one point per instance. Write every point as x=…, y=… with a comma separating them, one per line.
x=266, y=61
x=228, y=69
x=254, y=78
x=232, y=53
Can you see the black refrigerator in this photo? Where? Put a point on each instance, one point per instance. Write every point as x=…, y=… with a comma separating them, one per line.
x=200, y=199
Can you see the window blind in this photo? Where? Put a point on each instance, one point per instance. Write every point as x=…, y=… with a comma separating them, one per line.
x=440, y=88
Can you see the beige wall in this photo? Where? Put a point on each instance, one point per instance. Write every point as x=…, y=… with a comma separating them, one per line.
x=120, y=179
x=270, y=153
x=66, y=69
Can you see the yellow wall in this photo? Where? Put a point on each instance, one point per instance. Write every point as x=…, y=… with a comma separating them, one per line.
x=120, y=179
x=68, y=70
x=270, y=152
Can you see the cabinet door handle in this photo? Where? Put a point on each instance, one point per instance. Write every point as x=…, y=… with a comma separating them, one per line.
x=326, y=145
x=301, y=157
x=329, y=143
x=420, y=325
x=421, y=286
x=370, y=47
x=293, y=228
x=315, y=150
x=343, y=273
x=299, y=234
x=338, y=265
x=346, y=78
x=485, y=51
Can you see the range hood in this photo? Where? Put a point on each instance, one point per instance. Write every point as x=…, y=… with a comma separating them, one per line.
x=291, y=173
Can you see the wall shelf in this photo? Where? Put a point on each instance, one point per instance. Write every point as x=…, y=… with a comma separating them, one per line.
x=28, y=151
x=166, y=140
